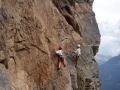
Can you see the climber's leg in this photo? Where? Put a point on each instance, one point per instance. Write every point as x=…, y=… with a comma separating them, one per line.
x=59, y=64
x=63, y=61
x=76, y=61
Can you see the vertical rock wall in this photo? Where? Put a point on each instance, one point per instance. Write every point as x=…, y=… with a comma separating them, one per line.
x=30, y=30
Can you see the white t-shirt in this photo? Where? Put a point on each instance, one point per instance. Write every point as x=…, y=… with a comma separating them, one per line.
x=78, y=51
x=59, y=52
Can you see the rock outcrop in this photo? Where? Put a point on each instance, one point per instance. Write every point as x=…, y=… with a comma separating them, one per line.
x=30, y=30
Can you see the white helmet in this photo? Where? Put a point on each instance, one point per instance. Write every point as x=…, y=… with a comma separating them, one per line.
x=78, y=45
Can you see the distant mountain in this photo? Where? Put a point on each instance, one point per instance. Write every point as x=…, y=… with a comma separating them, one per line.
x=110, y=74
x=101, y=59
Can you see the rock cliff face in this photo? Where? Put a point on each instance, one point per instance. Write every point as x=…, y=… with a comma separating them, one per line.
x=30, y=30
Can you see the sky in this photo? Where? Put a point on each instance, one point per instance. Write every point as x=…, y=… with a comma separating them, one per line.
x=108, y=18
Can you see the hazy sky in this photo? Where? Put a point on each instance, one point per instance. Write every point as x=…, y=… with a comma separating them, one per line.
x=108, y=18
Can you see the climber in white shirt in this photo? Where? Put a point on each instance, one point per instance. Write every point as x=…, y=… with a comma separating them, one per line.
x=78, y=53
x=59, y=52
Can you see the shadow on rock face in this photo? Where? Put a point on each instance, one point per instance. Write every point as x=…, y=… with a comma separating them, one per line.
x=3, y=60
x=67, y=9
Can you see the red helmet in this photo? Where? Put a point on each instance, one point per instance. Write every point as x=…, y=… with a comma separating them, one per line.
x=60, y=48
